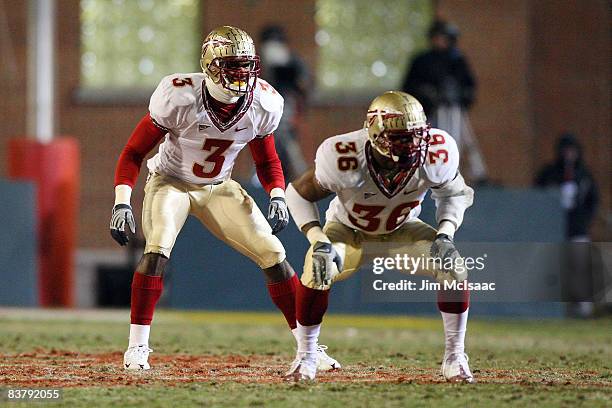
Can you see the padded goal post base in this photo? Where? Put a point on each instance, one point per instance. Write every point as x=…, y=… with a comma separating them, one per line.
x=54, y=167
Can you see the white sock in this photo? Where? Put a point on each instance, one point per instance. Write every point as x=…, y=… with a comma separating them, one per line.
x=455, y=325
x=139, y=334
x=295, y=335
x=307, y=337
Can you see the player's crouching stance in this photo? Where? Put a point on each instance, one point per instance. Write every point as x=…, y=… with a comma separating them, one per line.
x=380, y=175
x=205, y=120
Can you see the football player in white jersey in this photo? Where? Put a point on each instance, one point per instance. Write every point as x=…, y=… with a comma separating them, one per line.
x=205, y=119
x=380, y=175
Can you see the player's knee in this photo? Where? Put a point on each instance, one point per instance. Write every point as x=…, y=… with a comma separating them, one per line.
x=152, y=264
x=279, y=272
x=273, y=255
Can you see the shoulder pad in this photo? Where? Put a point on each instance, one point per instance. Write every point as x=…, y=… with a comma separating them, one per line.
x=179, y=95
x=269, y=98
x=173, y=99
x=442, y=161
x=327, y=171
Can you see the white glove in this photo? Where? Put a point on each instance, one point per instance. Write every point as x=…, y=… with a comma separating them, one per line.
x=324, y=256
x=443, y=248
x=122, y=215
x=278, y=214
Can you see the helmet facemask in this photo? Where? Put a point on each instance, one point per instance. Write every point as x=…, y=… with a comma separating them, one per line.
x=236, y=74
x=407, y=148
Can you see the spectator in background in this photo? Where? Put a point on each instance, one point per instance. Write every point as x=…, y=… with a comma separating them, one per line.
x=441, y=79
x=579, y=198
x=441, y=76
x=286, y=72
x=579, y=193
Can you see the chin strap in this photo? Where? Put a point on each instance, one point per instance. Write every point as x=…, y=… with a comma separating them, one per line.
x=219, y=93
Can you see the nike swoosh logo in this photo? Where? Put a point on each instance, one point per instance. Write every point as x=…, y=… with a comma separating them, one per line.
x=240, y=129
x=410, y=192
x=203, y=126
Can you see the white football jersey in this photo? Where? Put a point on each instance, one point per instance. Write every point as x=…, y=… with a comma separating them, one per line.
x=199, y=148
x=341, y=166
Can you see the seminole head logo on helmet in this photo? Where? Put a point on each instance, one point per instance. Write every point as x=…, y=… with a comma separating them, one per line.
x=398, y=128
x=229, y=60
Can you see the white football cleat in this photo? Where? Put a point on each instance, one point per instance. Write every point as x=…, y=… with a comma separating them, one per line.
x=455, y=368
x=324, y=361
x=303, y=368
x=135, y=358
x=294, y=366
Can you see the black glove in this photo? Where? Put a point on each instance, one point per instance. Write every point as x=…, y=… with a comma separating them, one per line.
x=278, y=214
x=122, y=214
x=323, y=257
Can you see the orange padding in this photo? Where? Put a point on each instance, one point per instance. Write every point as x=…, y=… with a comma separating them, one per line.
x=54, y=168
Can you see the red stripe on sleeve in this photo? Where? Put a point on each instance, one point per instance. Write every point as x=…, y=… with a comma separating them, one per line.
x=143, y=139
x=267, y=163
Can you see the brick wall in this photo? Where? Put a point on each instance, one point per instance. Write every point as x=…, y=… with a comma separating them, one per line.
x=542, y=67
x=570, y=79
x=495, y=38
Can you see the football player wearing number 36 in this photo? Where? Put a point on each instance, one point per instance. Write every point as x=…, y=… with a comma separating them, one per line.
x=203, y=121
x=380, y=175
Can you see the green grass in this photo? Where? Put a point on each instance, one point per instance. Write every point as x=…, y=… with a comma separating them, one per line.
x=329, y=395
x=547, y=363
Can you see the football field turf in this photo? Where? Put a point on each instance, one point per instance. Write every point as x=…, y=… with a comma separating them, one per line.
x=237, y=359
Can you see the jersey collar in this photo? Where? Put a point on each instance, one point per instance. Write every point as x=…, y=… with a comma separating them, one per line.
x=389, y=188
x=216, y=120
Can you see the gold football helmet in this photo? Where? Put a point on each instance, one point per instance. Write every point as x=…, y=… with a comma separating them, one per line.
x=398, y=128
x=229, y=59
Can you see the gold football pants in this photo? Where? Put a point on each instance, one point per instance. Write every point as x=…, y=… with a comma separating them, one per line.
x=226, y=209
x=413, y=239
